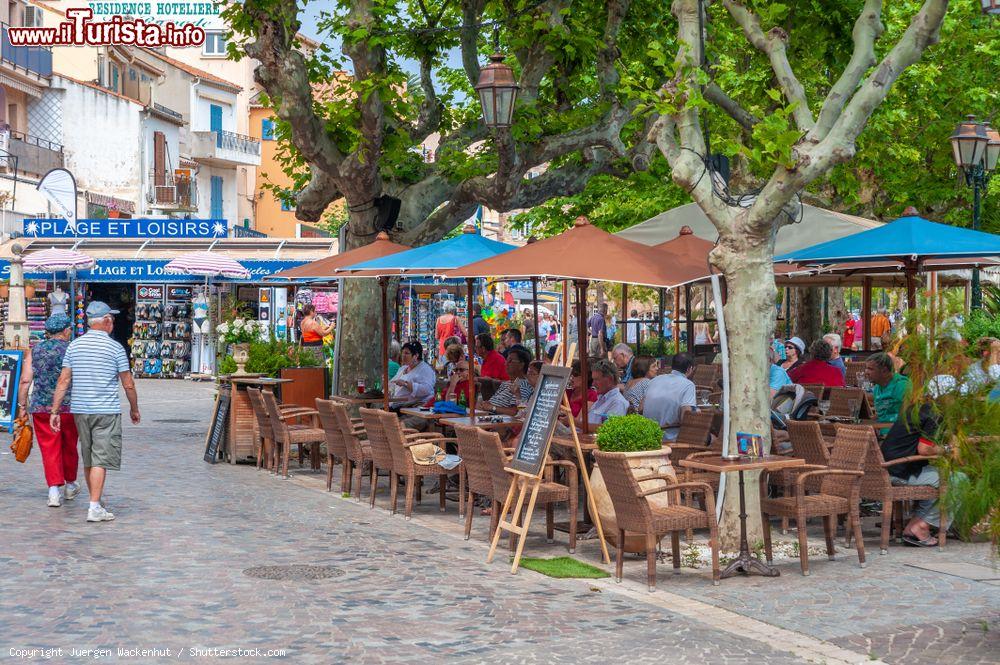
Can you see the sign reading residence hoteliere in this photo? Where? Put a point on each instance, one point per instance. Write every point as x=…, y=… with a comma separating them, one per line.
x=127, y=228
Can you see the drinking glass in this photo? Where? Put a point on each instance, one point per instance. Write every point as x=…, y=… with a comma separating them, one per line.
x=854, y=407
x=824, y=406
x=361, y=386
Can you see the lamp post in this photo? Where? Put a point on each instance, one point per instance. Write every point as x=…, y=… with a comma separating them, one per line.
x=497, y=89
x=976, y=147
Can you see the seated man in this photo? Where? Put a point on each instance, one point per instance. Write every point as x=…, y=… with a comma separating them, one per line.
x=515, y=391
x=889, y=387
x=669, y=396
x=777, y=376
x=909, y=436
x=623, y=357
x=835, y=342
x=818, y=368
x=610, y=400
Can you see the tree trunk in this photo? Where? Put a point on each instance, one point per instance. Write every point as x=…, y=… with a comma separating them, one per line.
x=746, y=263
x=808, y=313
x=837, y=309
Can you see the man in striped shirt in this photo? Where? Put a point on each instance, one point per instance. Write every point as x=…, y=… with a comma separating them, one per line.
x=94, y=365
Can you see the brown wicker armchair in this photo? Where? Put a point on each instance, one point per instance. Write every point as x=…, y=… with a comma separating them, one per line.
x=478, y=479
x=381, y=452
x=336, y=448
x=877, y=485
x=806, y=437
x=549, y=492
x=264, y=444
x=358, y=452
x=839, y=494
x=634, y=513
x=855, y=372
x=840, y=402
x=706, y=375
x=694, y=436
x=285, y=435
x=403, y=464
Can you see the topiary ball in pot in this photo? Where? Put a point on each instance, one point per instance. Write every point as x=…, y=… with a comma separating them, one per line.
x=641, y=440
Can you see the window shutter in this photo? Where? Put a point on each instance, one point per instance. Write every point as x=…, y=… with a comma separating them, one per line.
x=159, y=159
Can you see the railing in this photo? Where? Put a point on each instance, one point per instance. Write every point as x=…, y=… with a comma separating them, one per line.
x=237, y=142
x=33, y=154
x=37, y=59
x=34, y=140
x=244, y=232
x=172, y=113
x=169, y=192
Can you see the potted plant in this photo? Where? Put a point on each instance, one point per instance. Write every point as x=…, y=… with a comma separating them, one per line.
x=29, y=289
x=641, y=439
x=237, y=335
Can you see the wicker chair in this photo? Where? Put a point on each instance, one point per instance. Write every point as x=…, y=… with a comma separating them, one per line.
x=808, y=443
x=358, y=450
x=634, y=513
x=382, y=459
x=478, y=480
x=335, y=446
x=839, y=494
x=403, y=464
x=877, y=485
x=264, y=444
x=839, y=401
x=855, y=371
x=817, y=389
x=706, y=375
x=549, y=492
x=694, y=436
x=285, y=435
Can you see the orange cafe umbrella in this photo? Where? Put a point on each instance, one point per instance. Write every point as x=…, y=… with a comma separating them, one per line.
x=584, y=253
x=323, y=269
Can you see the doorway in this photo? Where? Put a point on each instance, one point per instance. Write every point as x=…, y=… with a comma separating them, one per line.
x=120, y=297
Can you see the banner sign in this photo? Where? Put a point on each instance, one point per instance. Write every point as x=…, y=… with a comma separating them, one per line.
x=153, y=292
x=127, y=270
x=127, y=228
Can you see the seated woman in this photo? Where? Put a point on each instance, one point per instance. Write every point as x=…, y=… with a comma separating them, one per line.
x=516, y=390
x=644, y=368
x=414, y=382
x=457, y=389
x=453, y=353
x=576, y=389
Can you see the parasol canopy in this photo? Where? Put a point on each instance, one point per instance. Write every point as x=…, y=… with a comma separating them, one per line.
x=585, y=252
x=207, y=264
x=434, y=259
x=57, y=260
x=324, y=269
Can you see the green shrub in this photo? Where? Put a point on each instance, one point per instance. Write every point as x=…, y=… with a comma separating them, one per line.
x=629, y=434
x=273, y=356
x=980, y=324
x=227, y=365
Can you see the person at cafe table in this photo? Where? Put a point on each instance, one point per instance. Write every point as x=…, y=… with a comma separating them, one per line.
x=610, y=401
x=517, y=390
x=889, y=388
x=818, y=368
x=414, y=382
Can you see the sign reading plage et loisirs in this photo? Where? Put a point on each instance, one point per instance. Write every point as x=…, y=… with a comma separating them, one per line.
x=127, y=228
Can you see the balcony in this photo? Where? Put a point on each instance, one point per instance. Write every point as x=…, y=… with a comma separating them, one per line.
x=225, y=149
x=36, y=60
x=28, y=154
x=169, y=192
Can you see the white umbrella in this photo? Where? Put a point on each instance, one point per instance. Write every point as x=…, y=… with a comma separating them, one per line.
x=207, y=264
x=57, y=260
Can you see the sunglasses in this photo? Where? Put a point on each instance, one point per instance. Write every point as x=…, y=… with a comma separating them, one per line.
x=791, y=346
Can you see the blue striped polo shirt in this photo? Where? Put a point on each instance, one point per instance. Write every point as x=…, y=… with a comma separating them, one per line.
x=96, y=360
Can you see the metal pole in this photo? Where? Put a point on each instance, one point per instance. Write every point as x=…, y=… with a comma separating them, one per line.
x=659, y=323
x=866, y=314
x=534, y=311
x=338, y=333
x=978, y=181
x=564, y=334
x=582, y=332
x=469, y=297
x=624, y=322
x=383, y=284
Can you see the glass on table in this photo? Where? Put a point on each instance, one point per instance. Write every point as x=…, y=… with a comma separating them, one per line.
x=854, y=409
x=823, y=405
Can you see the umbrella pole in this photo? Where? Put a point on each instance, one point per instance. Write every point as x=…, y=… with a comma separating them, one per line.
x=624, y=325
x=866, y=314
x=581, y=328
x=384, y=286
x=677, y=325
x=469, y=297
x=911, y=289
x=534, y=311
x=564, y=336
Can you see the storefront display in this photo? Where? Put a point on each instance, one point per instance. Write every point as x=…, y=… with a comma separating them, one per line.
x=420, y=307
x=161, y=334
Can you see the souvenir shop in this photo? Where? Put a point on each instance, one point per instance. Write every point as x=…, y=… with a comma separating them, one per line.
x=161, y=315
x=421, y=302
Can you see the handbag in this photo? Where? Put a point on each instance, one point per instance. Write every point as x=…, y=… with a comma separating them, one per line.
x=21, y=446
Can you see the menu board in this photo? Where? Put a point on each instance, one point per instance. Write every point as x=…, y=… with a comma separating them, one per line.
x=217, y=427
x=536, y=435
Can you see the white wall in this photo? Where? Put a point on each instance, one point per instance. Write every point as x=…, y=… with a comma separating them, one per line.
x=102, y=140
x=172, y=135
x=204, y=97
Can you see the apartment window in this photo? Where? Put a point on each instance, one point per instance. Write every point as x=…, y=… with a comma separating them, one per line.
x=267, y=129
x=215, y=43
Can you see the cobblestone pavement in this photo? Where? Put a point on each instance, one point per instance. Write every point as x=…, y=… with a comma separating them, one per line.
x=168, y=573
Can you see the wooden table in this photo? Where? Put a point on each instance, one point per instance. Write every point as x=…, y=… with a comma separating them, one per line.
x=745, y=562
x=240, y=437
x=496, y=421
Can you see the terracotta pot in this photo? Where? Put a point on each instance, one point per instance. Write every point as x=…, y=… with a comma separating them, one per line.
x=4, y=291
x=644, y=464
x=29, y=291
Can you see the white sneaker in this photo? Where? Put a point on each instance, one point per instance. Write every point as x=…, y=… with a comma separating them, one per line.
x=99, y=515
x=55, y=497
x=72, y=489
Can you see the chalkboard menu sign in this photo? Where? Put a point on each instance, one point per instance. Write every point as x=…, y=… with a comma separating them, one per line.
x=543, y=411
x=217, y=428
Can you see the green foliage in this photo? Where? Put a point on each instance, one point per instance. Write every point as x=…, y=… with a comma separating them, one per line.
x=629, y=434
x=970, y=420
x=227, y=365
x=274, y=355
x=981, y=324
x=563, y=567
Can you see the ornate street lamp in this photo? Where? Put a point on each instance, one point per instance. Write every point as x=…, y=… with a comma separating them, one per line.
x=976, y=147
x=497, y=89
x=991, y=6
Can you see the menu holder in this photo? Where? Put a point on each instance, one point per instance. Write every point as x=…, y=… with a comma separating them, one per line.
x=528, y=462
x=217, y=426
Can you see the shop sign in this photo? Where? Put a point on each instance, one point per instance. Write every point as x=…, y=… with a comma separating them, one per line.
x=264, y=305
x=179, y=292
x=150, y=292
x=127, y=228
x=155, y=271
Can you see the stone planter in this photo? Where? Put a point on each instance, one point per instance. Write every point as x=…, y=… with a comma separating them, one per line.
x=240, y=353
x=644, y=464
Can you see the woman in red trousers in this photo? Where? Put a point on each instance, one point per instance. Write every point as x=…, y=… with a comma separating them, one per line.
x=42, y=366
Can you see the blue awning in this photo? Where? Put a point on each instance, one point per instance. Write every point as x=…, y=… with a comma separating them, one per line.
x=437, y=257
x=907, y=239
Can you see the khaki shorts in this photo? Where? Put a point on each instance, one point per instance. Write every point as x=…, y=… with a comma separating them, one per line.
x=100, y=437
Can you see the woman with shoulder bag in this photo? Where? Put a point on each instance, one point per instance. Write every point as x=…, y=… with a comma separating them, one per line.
x=42, y=366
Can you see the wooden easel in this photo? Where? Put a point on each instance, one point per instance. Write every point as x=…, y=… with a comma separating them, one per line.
x=526, y=480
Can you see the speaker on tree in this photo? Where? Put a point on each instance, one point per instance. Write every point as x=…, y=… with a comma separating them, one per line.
x=386, y=212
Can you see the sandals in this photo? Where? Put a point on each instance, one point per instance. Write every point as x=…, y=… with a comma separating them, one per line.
x=913, y=541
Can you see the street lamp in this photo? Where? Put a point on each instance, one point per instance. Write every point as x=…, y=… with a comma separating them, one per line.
x=497, y=89
x=991, y=6
x=976, y=147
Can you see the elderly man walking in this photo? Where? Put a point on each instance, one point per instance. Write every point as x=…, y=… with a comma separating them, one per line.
x=94, y=365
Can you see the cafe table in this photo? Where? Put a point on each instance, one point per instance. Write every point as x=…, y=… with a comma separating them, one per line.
x=240, y=437
x=745, y=562
x=483, y=420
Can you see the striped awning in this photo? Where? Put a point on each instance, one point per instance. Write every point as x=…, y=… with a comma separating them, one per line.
x=27, y=88
x=207, y=264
